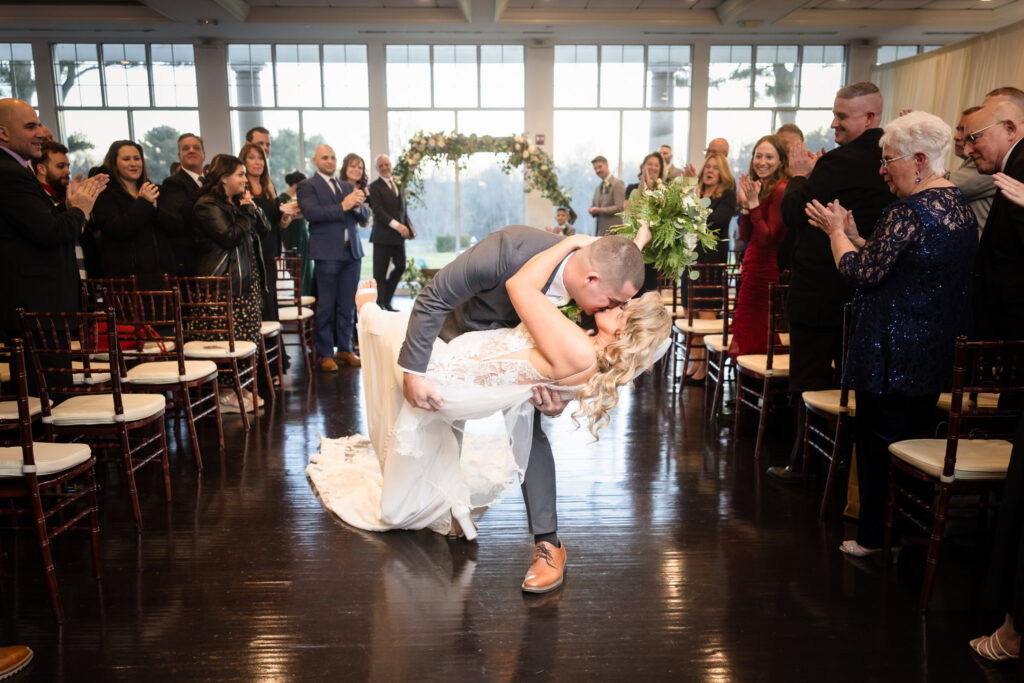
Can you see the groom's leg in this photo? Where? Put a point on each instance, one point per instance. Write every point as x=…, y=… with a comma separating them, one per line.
x=539, y=483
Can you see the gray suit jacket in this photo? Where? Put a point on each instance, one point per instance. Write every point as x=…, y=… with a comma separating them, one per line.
x=610, y=201
x=979, y=190
x=469, y=293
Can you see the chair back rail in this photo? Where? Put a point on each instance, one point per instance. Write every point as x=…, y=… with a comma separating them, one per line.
x=15, y=350
x=206, y=307
x=778, y=321
x=93, y=288
x=289, y=269
x=704, y=292
x=150, y=325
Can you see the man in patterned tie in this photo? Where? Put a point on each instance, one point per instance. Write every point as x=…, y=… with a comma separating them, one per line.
x=609, y=198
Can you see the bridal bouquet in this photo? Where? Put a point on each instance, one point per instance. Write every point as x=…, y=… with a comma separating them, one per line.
x=678, y=221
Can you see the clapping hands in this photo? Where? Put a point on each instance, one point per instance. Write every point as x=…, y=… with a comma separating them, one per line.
x=801, y=159
x=149, y=192
x=82, y=193
x=1012, y=189
x=832, y=218
x=748, y=192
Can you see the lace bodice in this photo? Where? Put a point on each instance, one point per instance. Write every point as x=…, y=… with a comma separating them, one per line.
x=481, y=358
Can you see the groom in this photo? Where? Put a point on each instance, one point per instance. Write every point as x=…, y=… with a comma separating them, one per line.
x=469, y=294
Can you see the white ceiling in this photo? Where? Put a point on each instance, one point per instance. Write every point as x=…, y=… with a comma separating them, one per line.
x=618, y=21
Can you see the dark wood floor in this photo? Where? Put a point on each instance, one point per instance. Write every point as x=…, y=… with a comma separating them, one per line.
x=686, y=563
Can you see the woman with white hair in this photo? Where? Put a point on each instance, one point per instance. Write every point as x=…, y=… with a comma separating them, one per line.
x=912, y=300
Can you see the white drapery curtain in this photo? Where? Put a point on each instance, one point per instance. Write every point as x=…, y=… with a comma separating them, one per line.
x=946, y=81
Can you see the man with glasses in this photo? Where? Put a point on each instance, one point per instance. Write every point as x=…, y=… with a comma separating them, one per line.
x=977, y=187
x=849, y=173
x=992, y=141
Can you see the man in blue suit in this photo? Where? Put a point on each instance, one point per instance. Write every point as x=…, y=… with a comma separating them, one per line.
x=334, y=209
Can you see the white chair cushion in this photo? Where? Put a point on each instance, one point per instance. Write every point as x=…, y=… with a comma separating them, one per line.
x=713, y=342
x=269, y=328
x=758, y=363
x=50, y=458
x=784, y=339
x=985, y=402
x=292, y=313
x=828, y=401
x=699, y=326
x=94, y=376
x=5, y=372
x=90, y=409
x=975, y=458
x=166, y=372
x=218, y=349
x=9, y=409
x=288, y=300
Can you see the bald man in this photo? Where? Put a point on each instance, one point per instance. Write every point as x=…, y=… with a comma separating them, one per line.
x=38, y=269
x=817, y=292
x=334, y=209
x=717, y=146
x=992, y=139
x=391, y=228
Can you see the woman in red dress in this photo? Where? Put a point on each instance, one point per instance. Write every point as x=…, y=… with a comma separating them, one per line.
x=761, y=227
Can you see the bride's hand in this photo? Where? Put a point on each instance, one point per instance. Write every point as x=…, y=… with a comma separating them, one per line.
x=366, y=293
x=643, y=235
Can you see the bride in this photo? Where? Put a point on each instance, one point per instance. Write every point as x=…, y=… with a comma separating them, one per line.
x=415, y=477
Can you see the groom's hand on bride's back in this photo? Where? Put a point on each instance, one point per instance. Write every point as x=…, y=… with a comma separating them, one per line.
x=420, y=393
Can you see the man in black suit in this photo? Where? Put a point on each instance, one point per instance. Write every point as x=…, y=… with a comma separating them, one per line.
x=817, y=292
x=992, y=139
x=38, y=271
x=391, y=228
x=179, y=193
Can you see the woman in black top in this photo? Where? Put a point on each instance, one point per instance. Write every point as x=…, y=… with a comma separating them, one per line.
x=651, y=169
x=134, y=238
x=717, y=184
x=229, y=230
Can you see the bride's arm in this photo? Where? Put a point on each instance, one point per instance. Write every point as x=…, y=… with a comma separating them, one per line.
x=561, y=342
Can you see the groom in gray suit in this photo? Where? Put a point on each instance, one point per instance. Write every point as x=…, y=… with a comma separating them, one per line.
x=469, y=294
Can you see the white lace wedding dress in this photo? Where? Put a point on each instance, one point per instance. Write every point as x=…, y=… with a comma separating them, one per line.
x=409, y=473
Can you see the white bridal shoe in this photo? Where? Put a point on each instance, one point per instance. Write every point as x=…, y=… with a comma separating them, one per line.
x=462, y=523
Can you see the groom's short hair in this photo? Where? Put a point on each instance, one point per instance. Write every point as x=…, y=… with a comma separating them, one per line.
x=617, y=260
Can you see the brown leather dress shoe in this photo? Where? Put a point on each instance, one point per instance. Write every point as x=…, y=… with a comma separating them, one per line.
x=547, y=570
x=328, y=365
x=348, y=358
x=13, y=659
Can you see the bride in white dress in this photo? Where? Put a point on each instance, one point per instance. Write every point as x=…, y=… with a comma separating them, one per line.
x=414, y=477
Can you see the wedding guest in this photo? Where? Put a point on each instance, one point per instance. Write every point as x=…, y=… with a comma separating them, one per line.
x=717, y=184
x=761, y=226
x=179, y=193
x=391, y=228
x=609, y=197
x=817, y=292
x=651, y=171
x=275, y=216
x=53, y=171
x=717, y=146
x=259, y=136
x=227, y=231
x=793, y=140
x=36, y=237
x=296, y=237
x=562, y=226
x=669, y=171
x=978, y=189
x=790, y=134
x=134, y=237
x=993, y=141
x=334, y=210
x=912, y=277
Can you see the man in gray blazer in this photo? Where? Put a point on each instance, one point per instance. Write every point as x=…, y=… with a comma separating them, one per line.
x=609, y=197
x=469, y=294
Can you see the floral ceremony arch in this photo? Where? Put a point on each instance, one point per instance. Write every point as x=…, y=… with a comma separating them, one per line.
x=513, y=152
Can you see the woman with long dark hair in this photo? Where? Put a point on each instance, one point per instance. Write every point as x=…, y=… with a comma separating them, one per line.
x=649, y=178
x=761, y=227
x=228, y=233
x=134, y=238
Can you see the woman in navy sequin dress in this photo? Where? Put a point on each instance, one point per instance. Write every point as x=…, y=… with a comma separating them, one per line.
x=912, y=301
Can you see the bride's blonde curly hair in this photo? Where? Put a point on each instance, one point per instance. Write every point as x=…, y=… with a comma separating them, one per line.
x=646, y=328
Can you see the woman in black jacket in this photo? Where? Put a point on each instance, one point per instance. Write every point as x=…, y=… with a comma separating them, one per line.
x=228, y=231
x=135, y=238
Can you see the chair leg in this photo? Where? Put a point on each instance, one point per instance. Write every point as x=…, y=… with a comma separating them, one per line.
x=255, y=390
x=833, y=466
x=216, y=411
x=238, y=393
x=934, y=547
x=265, y=366
x=807, y=451
x=739, y=395
x=129, y=473
x=186, y=402
x=94, y=522
x=762, y=422
x=164, y=460
x=280, y=360
x=46, y=556
x=890, y=508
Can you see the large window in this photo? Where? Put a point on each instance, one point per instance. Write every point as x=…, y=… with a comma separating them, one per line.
x=752, y=90
x=17, y=74
x=619, y=101
x=890, y=53
x=472, y=89
x=305, y=95
x=113, y=91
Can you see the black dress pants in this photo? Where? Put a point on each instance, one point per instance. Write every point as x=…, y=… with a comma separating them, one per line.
x=383, y=256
